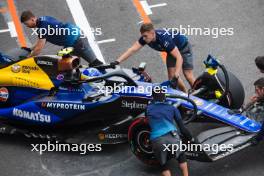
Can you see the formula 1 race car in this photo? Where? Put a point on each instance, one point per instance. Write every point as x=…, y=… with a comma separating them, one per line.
x=236, y=134
x=55, y=97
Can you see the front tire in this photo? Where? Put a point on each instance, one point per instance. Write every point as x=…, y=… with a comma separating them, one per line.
x=139, y=140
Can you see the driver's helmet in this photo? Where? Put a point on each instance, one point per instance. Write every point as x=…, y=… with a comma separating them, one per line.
x=90, y=73
x=65, y=52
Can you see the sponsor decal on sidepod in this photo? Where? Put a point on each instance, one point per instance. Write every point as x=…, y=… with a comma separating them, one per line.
x=36, y=116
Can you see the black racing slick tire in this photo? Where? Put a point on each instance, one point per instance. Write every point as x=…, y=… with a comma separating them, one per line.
x=234, y=98
x=140, y=145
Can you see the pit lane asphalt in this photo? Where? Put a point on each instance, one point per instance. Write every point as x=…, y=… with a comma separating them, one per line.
x=119, y=19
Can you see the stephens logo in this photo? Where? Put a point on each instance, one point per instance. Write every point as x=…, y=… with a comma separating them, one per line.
x=36, y=116
x=66, y=106
x=3, y=94
x=133, y=105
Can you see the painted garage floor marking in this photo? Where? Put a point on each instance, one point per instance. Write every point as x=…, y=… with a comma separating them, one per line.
x=145, y=18
x=9, y=12
x=82, y=21
x=15, y=26
x=148, y=7
x=106, y=41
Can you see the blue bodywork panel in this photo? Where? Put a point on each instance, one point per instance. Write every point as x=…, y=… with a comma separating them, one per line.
x=68, y=103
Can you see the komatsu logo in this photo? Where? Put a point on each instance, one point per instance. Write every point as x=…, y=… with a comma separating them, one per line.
x=36, y=116
x=67, y=106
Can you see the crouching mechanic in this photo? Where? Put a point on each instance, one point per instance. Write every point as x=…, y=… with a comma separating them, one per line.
x=177, y=47
x=58, y=33
x=162, y=118
x=256, y=111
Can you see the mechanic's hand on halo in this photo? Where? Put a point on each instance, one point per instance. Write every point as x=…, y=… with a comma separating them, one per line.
x=174, y=82
x=115, y=63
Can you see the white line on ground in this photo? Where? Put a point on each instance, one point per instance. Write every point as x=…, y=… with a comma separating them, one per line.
x=81, y=21
x=147, y=7
x=106, y=41
x=4, y=30
x=158, y=5
x=12, y=28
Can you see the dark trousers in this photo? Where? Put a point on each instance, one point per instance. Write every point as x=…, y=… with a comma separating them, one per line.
x=83, y=49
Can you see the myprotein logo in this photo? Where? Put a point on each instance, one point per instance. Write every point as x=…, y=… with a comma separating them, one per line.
x=65, y=106
x=133, y=105
x=36, y=116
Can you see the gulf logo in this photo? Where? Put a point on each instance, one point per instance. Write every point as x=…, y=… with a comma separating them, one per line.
x=3, y=94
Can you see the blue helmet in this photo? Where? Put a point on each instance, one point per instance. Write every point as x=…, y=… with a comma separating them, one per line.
x=90, y=72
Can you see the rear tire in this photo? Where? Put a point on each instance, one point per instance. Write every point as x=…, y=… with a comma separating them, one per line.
x=236, y=95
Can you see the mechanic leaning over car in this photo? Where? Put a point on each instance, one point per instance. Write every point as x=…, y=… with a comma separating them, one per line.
x=162, y=117
x=257, y=109
x=179, y=52
x=66, y=35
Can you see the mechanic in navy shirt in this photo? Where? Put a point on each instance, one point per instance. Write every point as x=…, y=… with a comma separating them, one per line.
x=58, y=33
x=175, y=45
x=166, y=125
